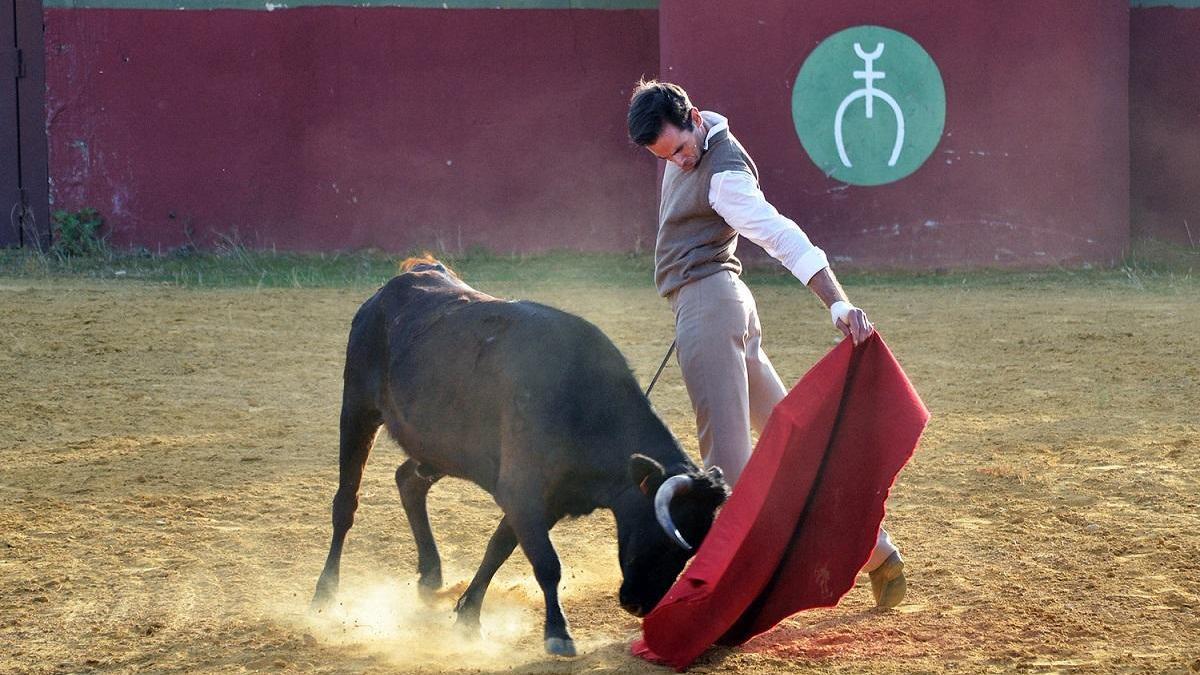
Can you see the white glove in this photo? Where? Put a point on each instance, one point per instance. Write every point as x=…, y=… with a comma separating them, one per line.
x=841, y=310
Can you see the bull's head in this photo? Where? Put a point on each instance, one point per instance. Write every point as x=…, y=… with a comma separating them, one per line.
x=659, y=524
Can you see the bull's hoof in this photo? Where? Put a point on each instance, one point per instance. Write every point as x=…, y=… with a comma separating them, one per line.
x=428, y=586
x=322, y=600
x=327, y=586
x=467, y=625
x=560, y=646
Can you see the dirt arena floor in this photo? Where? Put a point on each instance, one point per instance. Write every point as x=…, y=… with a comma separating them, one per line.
x=168, y=455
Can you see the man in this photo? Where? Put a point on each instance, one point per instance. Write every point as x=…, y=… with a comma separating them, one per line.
x=710, y=195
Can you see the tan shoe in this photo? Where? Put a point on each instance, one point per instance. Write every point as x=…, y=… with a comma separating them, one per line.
x=887, y=582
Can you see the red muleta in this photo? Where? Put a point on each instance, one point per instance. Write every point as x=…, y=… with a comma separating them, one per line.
x=805, y=514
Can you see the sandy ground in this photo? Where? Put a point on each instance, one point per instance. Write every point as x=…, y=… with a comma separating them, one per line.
x=167, y=457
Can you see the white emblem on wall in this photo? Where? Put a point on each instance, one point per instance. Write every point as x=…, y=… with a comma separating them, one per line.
x=870, y=93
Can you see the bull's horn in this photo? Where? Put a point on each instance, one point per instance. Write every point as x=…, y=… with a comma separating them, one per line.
x=672, y=486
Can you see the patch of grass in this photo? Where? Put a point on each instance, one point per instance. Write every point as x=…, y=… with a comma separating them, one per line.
x=1151, y=257
x=1149, y=267
x=232, y=264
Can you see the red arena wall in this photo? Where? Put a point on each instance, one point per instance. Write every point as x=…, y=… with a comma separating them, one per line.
x=1032, y=168
x=1164, y=120
x=321, y=125
x=337, y=127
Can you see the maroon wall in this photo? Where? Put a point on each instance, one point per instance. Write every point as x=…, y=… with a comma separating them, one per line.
x=1033, y=167
x=1164, y=123
x=338, y=127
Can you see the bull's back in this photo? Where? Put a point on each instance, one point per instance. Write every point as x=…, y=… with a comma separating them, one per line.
x=465, y=371
x=487, y=359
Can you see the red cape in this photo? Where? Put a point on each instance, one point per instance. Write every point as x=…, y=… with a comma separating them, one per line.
x=804, y=517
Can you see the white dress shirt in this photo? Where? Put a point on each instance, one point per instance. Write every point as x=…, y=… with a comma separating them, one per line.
x=736, y=197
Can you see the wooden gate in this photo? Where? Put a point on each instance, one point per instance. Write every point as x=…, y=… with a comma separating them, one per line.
x=24, y=195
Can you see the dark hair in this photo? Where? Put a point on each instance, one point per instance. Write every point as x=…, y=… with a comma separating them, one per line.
x=654, y=104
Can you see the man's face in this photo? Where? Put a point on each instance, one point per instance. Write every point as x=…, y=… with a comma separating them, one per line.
x=679, y=147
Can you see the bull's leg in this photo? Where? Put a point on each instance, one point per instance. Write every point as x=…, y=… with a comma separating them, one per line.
x=533, y=533
x=414, y=488
x=498, y=549
x=358, y=430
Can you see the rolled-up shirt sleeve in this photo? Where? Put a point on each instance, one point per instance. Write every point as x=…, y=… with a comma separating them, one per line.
x=735, y=196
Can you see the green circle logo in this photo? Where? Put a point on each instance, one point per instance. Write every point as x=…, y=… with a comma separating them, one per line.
x=869, y=105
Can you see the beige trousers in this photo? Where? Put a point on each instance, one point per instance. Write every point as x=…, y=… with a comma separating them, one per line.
x=730, y=380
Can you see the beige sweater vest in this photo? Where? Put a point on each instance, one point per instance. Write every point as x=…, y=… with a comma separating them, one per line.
x=693, y=240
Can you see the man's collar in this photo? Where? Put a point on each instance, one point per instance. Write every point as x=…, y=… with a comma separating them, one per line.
x=716, y=124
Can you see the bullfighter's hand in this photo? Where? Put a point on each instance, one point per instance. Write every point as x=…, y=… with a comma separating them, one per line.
x=856, y=325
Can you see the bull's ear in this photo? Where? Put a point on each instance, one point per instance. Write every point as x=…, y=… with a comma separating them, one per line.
x=645, y=473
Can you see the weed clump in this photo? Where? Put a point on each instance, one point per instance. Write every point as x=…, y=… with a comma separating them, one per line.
x=77, y=234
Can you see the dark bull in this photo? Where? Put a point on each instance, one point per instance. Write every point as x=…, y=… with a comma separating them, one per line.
x=532, y=404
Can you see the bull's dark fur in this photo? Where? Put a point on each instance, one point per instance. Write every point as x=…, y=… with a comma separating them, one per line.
x=532, y=404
